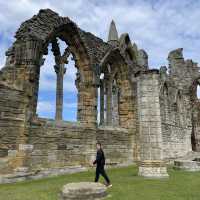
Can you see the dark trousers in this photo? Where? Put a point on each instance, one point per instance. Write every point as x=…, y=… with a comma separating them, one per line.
x=101, y=170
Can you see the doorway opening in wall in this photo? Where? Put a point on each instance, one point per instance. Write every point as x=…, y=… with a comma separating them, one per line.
x=47, y=87
x=198, y=92
x=70, y=91
x=195, y=119
x=57, y=95
x=101, y=101
x=98, y=108
x=108, y=100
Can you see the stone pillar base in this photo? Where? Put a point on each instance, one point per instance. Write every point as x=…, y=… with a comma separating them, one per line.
x=153, y=169
x=83, y=191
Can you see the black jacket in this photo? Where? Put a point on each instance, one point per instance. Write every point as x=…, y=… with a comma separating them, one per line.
x=100, y=158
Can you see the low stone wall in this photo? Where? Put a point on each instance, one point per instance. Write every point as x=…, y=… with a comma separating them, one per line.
x=187, y=165
x=54, y=144
x=118, y=144
x=21, y=174
x=59, y=144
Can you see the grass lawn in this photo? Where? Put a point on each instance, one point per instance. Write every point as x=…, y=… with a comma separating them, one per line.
x=126, y=186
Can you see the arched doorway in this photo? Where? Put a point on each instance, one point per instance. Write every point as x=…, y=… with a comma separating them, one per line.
x=195, y=100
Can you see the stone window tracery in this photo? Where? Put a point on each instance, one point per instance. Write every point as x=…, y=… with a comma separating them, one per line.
x=62, y=55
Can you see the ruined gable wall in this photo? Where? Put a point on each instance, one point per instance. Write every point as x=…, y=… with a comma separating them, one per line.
x=20, y=77
x=176, y=105
x=176, y=126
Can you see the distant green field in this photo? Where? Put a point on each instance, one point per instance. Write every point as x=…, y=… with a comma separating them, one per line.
x=126, y=186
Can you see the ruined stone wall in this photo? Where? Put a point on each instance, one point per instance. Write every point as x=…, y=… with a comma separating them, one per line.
x=158, y=116
x=118, y=143
x=12, y=115
x=59, y=144
x=176, y=104
x=196, y=127
x=33, y=143
x=53, y=144
x=176, y=130
x=12, y=120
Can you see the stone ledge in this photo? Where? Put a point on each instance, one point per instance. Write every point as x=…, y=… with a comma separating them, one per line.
x=187, y=165
x=153, y=169
x=153, y=163
x=23, y=175
x=83, y=191
x=151, y=71
x=112, y=128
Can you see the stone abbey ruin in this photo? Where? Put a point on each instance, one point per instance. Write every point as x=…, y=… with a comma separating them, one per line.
x=147, y=116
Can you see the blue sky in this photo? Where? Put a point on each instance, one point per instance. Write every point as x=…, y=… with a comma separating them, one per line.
x=158, y=26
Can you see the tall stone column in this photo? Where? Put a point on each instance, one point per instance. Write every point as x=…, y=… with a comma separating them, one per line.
x=60, y=71
x=109, y=103
x=151, y=144
x=101, y=102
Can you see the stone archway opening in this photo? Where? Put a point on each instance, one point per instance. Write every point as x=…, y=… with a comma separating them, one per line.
x=31, y=45
x=70, y=96
x=57, y=96
x=198, y=92
x=109, y=98
x=47, y=87
x=83, y=105
x=116, y=96
x=195, y=98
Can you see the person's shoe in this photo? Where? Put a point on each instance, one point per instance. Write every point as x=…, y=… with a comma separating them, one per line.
x=109, y=185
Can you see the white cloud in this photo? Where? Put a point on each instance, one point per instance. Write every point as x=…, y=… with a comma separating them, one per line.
x=45, y=106
x=49, y=106
x=156, y=26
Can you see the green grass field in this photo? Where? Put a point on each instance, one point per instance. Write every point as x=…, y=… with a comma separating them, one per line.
x=126, y=186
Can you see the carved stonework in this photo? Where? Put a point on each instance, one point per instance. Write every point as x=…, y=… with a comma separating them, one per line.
x=144, y=115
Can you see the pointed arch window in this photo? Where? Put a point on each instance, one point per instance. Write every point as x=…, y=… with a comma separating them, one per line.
x=57, y=91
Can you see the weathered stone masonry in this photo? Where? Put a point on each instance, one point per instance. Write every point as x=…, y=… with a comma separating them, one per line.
x=146, y=115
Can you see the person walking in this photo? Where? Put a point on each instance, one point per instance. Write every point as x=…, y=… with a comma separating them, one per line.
x=100, y=163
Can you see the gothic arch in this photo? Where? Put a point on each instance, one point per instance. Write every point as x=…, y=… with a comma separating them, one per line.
x=193, y=89
x=164, y=89
x=177, y=96
x=195, y=107
x=26, y=55
x=127, y=48
x=164, y=99
x=119, y=70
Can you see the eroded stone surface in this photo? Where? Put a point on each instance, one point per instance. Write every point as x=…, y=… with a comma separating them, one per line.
x=187, y=165
x=145, y=114
x=153, y=169
x=83, y=191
